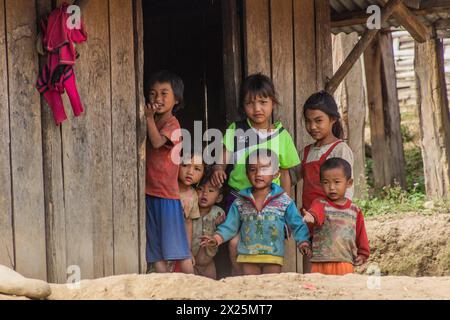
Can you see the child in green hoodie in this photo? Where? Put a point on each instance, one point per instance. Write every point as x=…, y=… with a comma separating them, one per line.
x=260, y=214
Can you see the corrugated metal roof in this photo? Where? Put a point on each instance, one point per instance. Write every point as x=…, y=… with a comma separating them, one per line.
x=349, y=6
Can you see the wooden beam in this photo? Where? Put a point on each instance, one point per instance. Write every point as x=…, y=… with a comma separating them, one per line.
x=419, y=31
x=349, y=19
x=360, y=47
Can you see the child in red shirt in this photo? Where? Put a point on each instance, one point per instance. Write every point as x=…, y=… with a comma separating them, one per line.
x=340, y=240
x=166, y=233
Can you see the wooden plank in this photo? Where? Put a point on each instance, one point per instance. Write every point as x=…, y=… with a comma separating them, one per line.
x=125, y=203
x=257, y=37
x=141, y=126
x=351, y=98
x=231, y=58
x=283, y=78
x=419, y=31
x=26, y=140
x=6, y=225
x=360, y=47
x=434, y=117
x=392, y=112
x=305, y=76
x=384, y=114
x=323, y=43
x=53, y=183
x=87, y=154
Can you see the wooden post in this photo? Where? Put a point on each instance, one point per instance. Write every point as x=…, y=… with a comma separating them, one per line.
x=434, y=117
x=26, y=140
x=305, y=62
x=384, y=114
x=123, y=128
x=7, y=256
x=141, y=126
x=231, y=58
x=351, y=99
x=53, y=184
x=283, y=78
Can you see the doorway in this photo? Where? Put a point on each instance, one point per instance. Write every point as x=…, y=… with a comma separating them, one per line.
x=186, y=37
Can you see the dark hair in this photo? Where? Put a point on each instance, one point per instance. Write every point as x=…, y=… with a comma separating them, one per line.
x=335, y=163
x=207, y=178
x=256, y=154
x=175, y=82
x=257, y=85
x=325, y=102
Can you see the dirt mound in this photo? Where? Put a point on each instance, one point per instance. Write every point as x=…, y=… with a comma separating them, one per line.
x=410, y=245
x=280, y=286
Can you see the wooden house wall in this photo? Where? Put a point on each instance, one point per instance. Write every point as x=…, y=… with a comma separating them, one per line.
x=287, y=40
x=72, y=195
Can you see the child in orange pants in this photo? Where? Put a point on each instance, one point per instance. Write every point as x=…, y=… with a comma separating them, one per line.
x=339, y=237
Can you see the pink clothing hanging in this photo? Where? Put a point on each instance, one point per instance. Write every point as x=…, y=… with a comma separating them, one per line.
x=57, y=75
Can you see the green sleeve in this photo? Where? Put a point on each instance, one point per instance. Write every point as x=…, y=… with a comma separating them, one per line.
x=228, y=139
x=288, y=154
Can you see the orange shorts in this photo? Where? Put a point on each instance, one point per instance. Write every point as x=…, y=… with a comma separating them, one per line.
x=332, y=268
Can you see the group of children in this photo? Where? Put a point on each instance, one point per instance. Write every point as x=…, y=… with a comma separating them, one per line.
x=260, y=165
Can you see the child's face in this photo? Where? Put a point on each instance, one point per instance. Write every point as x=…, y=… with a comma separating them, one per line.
x=162, y=95
x=335, y=183
x=191, y=171
x=208, y=195
x=318, y=124
x=262, y=173
x=258, y=109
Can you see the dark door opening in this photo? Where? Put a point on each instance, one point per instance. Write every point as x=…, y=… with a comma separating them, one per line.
x=186, y=38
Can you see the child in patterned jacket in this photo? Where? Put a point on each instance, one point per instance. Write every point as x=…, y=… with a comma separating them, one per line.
x=340, y=240
x=260, y=214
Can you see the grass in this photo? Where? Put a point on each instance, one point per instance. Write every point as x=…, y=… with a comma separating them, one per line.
x=394, y=199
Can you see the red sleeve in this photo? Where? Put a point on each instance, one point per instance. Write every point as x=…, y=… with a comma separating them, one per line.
x=318, y=211
x=169, y=130
x=362, y=242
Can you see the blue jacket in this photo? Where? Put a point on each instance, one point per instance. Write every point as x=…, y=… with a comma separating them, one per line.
x=263, y=232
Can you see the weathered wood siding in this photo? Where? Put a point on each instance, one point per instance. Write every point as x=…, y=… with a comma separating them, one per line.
x=71, y=195
x=281, y=38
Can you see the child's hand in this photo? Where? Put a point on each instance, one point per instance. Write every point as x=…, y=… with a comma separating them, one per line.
x=305, y=249
x=218, y=177
x=308, y=217
x=220, y=219
x=360, y=260
x=207, y=241
x=150, y=110
x=193, y=261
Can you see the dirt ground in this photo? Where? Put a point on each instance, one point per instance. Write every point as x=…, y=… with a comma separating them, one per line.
x=411, y=252
x=411, y=244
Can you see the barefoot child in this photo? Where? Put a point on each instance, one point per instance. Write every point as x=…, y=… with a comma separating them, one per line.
x=260, y=213
x=166, y=233
x=211, y=216
x=340, y=239
x=258, y=98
